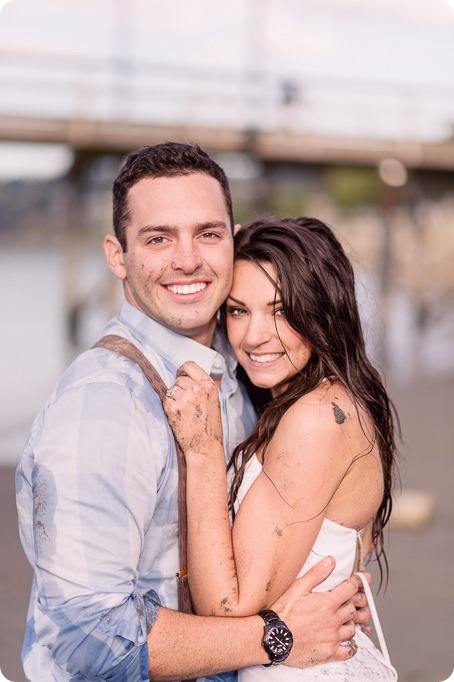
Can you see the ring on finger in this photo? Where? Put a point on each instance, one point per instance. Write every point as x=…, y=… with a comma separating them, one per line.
x=171, y=391
x=351, y=644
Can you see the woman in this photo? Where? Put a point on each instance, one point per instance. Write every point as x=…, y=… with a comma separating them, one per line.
x=315, y=476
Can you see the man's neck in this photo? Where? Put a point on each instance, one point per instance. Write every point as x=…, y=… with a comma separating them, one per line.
x=203, y=336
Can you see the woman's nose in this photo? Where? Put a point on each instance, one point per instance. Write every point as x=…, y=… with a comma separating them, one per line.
x=259, y=331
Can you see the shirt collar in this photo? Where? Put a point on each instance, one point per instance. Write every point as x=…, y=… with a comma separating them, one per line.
x=176, y=349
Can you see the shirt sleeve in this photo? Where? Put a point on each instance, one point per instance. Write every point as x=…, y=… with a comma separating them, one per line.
x=97, y=462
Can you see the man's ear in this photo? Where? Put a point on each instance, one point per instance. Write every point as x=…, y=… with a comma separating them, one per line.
x=236, y=229
x=114, y=256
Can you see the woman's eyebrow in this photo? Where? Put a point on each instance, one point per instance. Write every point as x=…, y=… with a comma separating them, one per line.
x=235, y=300
x=272, y=303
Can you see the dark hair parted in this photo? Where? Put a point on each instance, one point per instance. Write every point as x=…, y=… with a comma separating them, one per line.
x=169, y=159
x=317, y=288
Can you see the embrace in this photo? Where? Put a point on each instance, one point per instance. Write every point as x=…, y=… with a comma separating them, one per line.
x=258, y=338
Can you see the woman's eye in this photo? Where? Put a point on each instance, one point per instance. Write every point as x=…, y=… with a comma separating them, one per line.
x=236, y=311
x=279, y=312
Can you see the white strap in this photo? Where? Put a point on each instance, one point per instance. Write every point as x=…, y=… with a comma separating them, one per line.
x=375, y=618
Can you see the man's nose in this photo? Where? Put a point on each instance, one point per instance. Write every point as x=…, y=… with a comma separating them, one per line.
x=186, y=258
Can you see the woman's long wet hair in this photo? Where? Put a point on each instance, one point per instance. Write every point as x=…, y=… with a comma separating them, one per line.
x=316, y=284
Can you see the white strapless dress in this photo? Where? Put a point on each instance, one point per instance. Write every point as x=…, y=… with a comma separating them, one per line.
x=369, y=664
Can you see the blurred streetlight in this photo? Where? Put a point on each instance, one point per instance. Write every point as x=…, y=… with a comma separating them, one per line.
x=393, y=175
x=122, y=59
x=392, y=172
x=255, y=54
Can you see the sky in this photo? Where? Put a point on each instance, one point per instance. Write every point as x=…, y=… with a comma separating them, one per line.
x=371, y=67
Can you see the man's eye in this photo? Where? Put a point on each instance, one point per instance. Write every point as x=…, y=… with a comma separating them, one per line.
x=210, y=235
x=156, y=240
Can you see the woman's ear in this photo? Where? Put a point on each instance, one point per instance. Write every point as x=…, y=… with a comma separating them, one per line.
x=236, y=229
x=114, y=256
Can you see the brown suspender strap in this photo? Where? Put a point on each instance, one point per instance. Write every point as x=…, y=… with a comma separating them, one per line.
x=122, y=346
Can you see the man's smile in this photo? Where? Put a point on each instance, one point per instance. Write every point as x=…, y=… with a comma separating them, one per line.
x=193, y=288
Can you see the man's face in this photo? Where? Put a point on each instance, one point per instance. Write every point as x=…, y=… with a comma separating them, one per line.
x=178, y=265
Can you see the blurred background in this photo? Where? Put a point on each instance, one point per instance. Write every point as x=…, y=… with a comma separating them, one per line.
x=339, y=109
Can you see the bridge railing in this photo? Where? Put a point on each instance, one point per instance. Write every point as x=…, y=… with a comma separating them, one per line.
x=58, y=86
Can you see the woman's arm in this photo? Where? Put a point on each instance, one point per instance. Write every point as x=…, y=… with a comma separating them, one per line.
x=319, y=621
x=240, y=572
x=194, y=415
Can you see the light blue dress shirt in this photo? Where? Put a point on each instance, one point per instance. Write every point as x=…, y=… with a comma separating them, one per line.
x=97, y=490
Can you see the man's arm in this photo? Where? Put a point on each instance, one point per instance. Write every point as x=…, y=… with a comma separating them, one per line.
x=87, y=486
x=182, y=646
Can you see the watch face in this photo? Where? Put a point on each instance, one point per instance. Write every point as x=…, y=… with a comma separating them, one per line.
x=279, y=640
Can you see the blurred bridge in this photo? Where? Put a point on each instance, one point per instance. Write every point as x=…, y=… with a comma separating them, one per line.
x=103, y=136
x=111, y=106
x=101, y=106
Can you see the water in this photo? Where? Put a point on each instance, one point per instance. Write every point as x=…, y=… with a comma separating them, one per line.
x=34, y=349
x=33, y=344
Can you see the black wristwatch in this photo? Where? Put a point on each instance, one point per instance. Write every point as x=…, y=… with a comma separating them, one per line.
x=277, y=638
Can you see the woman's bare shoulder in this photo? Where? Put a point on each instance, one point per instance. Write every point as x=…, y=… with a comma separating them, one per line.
x=327, y=411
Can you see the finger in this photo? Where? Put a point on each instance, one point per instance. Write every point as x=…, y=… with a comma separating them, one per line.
x=346, y=612
x=346, y=631
x=204, y=387
x=184, y=383
x=191, y=369
x=360, y=600
x=345, y=651
x=346, y=590
x=362, y=616
x=170, y=393
x=316, y=575
x=367, y=630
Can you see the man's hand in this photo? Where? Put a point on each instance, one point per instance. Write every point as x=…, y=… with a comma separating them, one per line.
x=362, y=616
x=319, y=621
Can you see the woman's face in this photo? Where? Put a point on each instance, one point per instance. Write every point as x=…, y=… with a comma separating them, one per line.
x=267, y=347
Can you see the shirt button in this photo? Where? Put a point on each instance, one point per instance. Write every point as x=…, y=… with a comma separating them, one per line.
x=217, y=362
x=141, y=639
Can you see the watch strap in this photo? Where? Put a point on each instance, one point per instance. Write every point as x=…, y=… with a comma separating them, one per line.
x=272, y=619
x=268, y=615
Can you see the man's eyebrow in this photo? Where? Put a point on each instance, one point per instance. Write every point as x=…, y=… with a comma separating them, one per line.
x=173, y=229
x=211, y=225
x=147, y=229
x=271, y=304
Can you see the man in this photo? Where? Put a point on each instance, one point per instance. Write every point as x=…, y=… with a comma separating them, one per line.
x=97, y=483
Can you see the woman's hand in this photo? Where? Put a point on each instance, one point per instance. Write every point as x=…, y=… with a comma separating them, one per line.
x=192, y=408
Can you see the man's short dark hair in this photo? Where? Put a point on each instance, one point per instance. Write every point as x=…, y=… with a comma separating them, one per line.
x=169, y=159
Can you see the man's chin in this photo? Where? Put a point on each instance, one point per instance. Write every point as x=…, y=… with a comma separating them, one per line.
x=192, y=329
